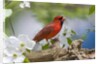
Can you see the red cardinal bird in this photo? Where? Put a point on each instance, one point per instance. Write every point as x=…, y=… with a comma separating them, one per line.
x=50, y=30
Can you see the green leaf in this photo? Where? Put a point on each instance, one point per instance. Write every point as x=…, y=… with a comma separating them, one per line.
x=26, y=60
x=73, y=32
x=52, y=41
x=64, y=34
x=69, y=41
x=92, y=9
x=28, y=50
x=46, y=46
x=24, y=53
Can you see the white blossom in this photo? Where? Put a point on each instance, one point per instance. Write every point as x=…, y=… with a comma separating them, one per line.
x=25, y=4
x=21, y=5
x=8, y=12
x=15, y=47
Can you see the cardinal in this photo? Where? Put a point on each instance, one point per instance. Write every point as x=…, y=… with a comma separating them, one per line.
x=50, y=30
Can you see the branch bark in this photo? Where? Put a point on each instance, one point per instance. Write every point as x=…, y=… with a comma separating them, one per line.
x=73, y=52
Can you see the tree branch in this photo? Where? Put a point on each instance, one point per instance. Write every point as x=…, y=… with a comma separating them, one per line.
x=73, y=52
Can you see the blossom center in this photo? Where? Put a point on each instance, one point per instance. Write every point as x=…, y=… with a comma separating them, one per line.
x=14, y=55
x=22, y=44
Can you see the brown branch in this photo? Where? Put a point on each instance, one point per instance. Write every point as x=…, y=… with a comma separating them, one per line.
x=73, y=52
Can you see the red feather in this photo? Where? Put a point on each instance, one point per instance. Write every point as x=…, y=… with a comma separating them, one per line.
x=50, y=30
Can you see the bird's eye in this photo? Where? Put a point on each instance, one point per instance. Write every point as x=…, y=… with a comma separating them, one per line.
x=60, y=18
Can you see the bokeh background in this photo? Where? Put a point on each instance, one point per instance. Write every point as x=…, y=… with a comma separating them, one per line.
x=23, y=17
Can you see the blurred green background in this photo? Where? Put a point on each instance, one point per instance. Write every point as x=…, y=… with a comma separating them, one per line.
x=47, y=11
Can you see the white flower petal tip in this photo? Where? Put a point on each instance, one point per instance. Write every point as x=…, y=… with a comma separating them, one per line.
x=8, y=12
x=30, y=45
x=27, y=4
x=19, y=59
x=24, y=4
x=7, y=60
x=35, y=41
x=23, y=36
x=4, y=35
x=21, y=5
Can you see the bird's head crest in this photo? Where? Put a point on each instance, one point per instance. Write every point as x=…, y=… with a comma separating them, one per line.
x=60, y=18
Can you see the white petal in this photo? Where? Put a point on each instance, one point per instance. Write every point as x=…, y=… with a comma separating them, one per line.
x=7, y=60
x=8, y=12
x=21, y=5
x=4, y=35
x=7, y=45
x=10, y=52
x=22, y=49
x=27, y=4
x=13, y=41
x=6, y=42
x=4, y=45
x=23, y=38
x=9, y=49
x=29, y=44
x=19, y=59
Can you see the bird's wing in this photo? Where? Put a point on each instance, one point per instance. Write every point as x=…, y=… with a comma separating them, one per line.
x=43, y=33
